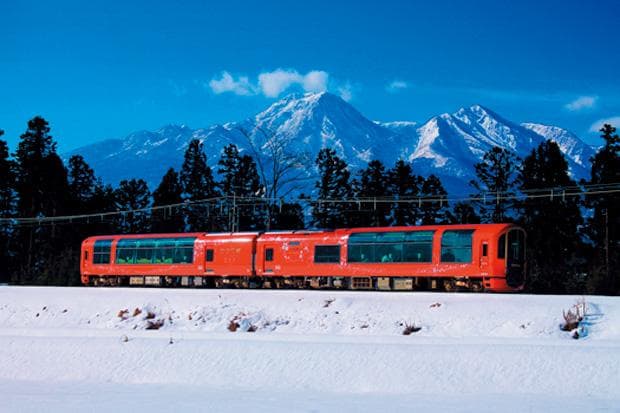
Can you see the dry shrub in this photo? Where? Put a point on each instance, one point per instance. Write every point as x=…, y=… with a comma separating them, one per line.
x=149, y=316
x=137, y=312
x=571, y=320
x=328, y=302
x=252, y=328
x=233, y=326
x=154, y=325
x=123, y=314
x=435, y=305
x=410, y=328
x=574, y=316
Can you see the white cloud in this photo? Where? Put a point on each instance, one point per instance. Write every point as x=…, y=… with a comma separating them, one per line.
x=227, y=83
x=315, y=81
x=613, y=121
x=346, y=92
x=396, y=86
x=271, y=84
x=582, y=102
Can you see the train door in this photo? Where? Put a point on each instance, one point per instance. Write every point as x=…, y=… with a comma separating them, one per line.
x=484, y=257
x=515, y=257
x=268, y=258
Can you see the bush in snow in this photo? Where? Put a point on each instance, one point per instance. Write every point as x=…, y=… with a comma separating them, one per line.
x=410, y=328
x=154, y=325
x=573, y=317
x=233, y=326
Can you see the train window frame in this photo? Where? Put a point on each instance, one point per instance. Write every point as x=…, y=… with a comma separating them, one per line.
x=269, y=254
x=330, y=254
x=455, y=250
x=386, y=247
x=102, y=251
x=155, y=251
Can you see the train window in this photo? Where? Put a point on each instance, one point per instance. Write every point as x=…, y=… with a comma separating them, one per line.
x=456, y=246
x=209, y=255
x=515, y=246
x=501, y=247
x=485, y=250
x=327, y=253
x=269, y=254
x=85, y=255
x=411, y=246
x=155, y=251
x=101, y=252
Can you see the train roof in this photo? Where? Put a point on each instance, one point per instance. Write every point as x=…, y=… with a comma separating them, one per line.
x=340, y=231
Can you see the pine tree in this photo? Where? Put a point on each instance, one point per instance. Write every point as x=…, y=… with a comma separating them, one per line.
x=103, y=200
x=132, y=195
x=464, y=213
x=405, y=186
x=333, y=187
x=373, y=186
x=198, y=185
x=82, y=184
x=7, y=209
x=603, y=227
x=552, y=224
x=287, y=216
x=42, y=190
x=496, y=180
x=434, y=208
x=168, y=192
x=241, y=181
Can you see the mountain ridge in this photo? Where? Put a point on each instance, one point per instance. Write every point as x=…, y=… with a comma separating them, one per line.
x=447, y=145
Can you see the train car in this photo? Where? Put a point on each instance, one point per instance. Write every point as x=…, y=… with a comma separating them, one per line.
x=189, y=259
x=475, y=257
x=482, y=257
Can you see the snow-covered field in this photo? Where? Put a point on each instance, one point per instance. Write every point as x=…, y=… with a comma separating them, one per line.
x=76, y=349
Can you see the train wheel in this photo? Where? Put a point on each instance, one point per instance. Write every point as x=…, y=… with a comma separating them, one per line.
x=449, y=286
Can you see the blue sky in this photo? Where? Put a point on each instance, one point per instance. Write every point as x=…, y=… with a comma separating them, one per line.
x=104, y=69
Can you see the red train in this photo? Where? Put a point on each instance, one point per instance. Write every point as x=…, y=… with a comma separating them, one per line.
x=484, y=257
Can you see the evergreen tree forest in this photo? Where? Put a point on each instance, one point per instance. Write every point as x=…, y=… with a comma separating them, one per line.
x=573, y=228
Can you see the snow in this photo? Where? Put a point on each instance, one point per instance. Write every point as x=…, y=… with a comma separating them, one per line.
x=67, y=349
x=447, y=145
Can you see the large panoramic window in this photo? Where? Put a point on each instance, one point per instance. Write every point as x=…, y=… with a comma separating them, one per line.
x=456, y=246
x=101, y=253
x=410, y=246
x=155, y=251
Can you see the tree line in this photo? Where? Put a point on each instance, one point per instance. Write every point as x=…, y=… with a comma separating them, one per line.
x=572, y=241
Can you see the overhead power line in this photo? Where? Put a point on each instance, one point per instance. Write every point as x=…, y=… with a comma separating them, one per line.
x=239, y=201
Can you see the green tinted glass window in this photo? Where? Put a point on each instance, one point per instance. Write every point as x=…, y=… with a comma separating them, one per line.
x=155, y=251
x=101, y=252
x=386, y=247
x=456, y=246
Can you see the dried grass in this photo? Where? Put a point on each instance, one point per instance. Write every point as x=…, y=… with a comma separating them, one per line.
x=410, y=328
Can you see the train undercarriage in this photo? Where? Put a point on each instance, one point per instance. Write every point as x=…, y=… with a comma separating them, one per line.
x=448, y=284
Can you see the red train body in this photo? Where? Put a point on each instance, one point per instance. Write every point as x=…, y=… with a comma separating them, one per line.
x=479, y=257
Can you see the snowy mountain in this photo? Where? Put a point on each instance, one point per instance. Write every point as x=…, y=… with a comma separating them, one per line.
x=298, y=126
